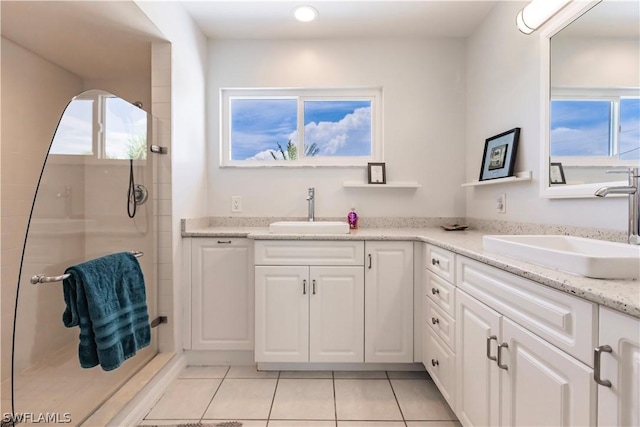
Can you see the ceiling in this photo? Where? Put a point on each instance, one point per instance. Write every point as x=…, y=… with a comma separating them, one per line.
x=607, y=19
x=268, y=19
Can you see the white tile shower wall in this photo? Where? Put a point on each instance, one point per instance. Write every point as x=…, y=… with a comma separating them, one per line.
x=161, y=110
x=503, y=92
x=34, y=94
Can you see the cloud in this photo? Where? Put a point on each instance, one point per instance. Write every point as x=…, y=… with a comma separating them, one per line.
x=351, y=135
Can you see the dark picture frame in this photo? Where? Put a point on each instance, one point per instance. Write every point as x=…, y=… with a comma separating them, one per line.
x=556, y=174
x=376, y=173
x=499, y=157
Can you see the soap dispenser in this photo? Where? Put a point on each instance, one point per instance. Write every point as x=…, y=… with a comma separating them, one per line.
x=352, y=219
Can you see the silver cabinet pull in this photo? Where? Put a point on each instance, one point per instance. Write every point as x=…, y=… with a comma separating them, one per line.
x=489, y=339
x=304, y=287
x=597, y=354
x=434, y=362
x=435, y=291
x=313, y=282
x=369, y=261
x=224, y=242
x=435, y=261
x=499, y=360
x=435, y=321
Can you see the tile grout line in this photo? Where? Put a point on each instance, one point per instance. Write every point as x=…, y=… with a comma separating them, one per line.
x=335, y=403
x=214, y=394
x=273, y=399
x=396, y=398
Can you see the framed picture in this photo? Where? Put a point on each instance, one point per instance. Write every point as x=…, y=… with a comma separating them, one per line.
x=556, y=174
x=377, y=174
x=499, y=156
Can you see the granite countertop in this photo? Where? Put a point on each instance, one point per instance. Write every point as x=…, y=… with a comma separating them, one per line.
x=620, y=295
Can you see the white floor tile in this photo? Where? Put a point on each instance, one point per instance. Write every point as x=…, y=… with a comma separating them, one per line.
x=409, y=375
x=371, y=424
x=245, y=423
x=360, y=375
x=433, y=424
x=420, y=400
x=370, y=400
x=236, y=372
x=248, y=399
x=204, y=372
x=306, y=374
x=185, y=399
x=300, y=423
x=304, y=399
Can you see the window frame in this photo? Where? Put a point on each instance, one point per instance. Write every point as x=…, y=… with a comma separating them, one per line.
x=614, y=95
x=372, y=94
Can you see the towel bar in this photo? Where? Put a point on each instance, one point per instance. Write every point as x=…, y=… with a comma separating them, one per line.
x=41, y=278
x=158, y=320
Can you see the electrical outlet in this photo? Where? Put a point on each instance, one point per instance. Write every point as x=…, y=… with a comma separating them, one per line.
x=501, y=203
x=236, y=204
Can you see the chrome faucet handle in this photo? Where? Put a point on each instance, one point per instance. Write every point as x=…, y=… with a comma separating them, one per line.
x=632, y=172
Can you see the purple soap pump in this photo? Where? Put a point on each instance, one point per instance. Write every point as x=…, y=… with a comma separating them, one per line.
x=352, y=219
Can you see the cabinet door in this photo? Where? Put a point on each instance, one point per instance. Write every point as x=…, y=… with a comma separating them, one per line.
x=619, y=405
x=282, y=314
x=336, y=318
x=389, y=302
x=478, y=377
x=542, y=385
x=221, y=294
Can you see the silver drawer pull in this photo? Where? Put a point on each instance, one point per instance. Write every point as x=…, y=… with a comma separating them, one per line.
x=304, y=287
x=435, y=261
x=597, y=354
x=500, y=347
x=434, y=362
x=369, y=261
x=435, y=291
x=313, y=282
x=435, y=321
x=224, y=242
x=489, y=339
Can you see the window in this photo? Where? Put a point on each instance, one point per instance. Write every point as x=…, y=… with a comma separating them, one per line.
x=604, y=128
x=102, y=126
x=300, y=127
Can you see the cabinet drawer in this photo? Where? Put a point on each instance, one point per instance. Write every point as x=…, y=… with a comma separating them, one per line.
x=567, y=322
x=441, y=262
x=440, y=363
x=443, y=325
x=305, y=252
x=440, y=292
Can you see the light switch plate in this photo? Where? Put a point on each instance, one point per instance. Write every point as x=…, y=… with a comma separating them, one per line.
x=501, y=203
x=236, y=203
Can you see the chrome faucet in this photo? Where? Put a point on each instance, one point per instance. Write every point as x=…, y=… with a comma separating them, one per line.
x=634, y=201
x=310, y=198
x=66, y=195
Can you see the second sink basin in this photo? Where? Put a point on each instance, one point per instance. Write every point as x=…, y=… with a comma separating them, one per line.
x=306, y=227
x=594, y=258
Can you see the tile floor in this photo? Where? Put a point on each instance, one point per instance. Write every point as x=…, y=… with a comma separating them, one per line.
x=302, y=399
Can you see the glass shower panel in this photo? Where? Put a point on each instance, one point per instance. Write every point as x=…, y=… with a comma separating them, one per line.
x=80, y=212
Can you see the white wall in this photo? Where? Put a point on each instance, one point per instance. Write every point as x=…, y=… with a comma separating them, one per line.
x=185, y=106
x=424, y=100
x=35, y=92
x=503, y=81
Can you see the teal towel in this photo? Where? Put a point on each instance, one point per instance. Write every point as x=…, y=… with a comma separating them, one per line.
x=106, y=298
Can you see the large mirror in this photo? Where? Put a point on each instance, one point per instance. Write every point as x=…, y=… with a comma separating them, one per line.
x=592, y=106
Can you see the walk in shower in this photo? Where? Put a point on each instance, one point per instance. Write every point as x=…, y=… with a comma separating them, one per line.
x=95, y=196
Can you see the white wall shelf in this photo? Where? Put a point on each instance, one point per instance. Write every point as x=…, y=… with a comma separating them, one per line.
x=519, y=177
x=391, y=184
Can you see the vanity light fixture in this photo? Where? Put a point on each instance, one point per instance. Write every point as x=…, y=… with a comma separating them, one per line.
x=536, y=13
x=305, y=13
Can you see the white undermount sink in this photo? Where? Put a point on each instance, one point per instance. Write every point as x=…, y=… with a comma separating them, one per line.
x=594, y=258
x=309, y=227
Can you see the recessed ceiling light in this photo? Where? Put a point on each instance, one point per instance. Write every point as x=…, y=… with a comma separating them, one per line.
x=305, y=13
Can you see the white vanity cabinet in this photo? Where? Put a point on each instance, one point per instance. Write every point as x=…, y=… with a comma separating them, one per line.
x=309, y=301
x=388, y=302
x=438, y=320
x=508, y=371
x=619, y=373
x=221, y=293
